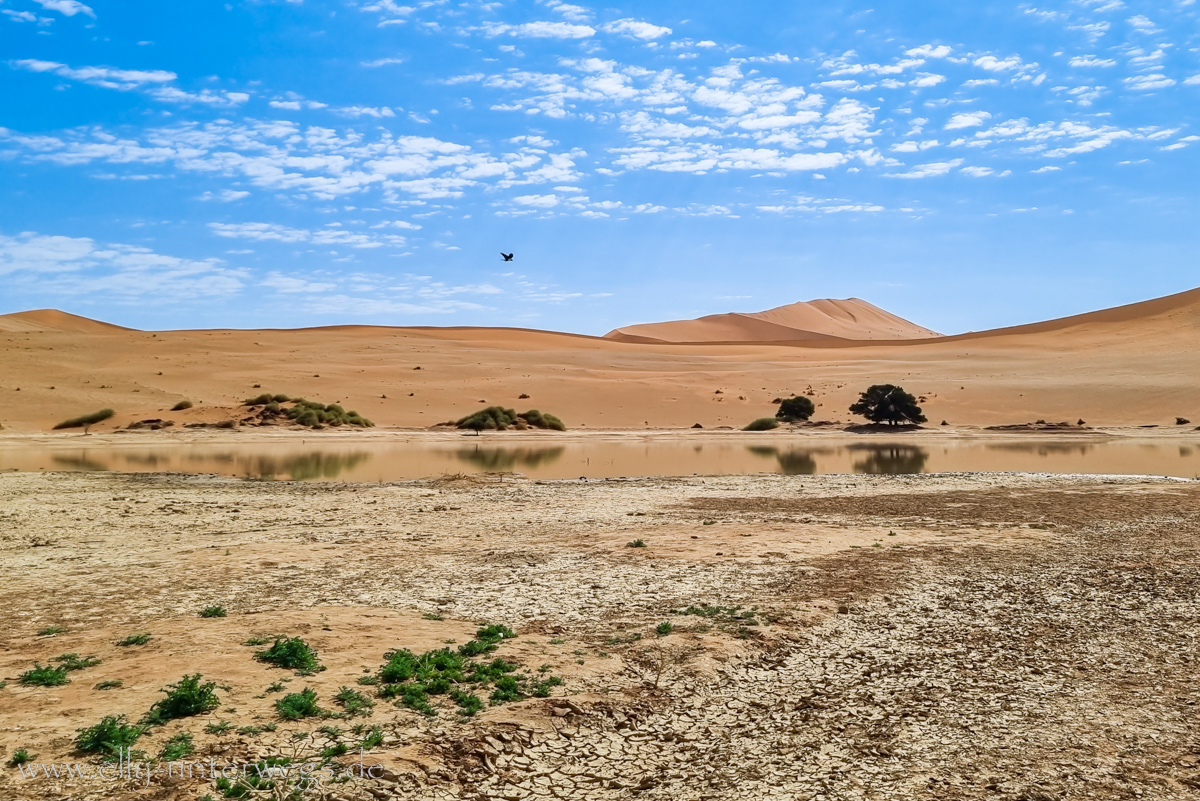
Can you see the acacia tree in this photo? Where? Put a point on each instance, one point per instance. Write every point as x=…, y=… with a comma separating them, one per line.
x=887, y=403
x=796, y=408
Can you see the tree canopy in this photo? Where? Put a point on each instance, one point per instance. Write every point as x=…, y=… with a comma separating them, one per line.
x=887, y=403
x=797, y=408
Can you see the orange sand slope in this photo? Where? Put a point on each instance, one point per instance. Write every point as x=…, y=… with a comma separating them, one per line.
x=1132, y=365
x=807, y=321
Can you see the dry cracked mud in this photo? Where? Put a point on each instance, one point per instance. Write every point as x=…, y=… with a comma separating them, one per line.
x=1014, y=637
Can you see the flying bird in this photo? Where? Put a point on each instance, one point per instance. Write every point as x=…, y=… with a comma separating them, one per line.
x=507, y=256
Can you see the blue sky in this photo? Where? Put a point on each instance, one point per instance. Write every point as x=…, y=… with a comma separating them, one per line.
x=275, y=163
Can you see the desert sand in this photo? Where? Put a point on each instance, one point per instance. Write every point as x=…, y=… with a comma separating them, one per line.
x=1128, y=366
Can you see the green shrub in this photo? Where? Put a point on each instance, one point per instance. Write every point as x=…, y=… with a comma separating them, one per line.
x=185, y=698
x=664, y=628
x=180, y=746
x=539, y=420
x=507, y=689
x=638, y=543
x=374, y=739
x=498, y=418
x=795, y=408
x=219, y=727
x=135, y=639
x=183, y=404
x=291, y=653
x=888, y=403
x=213, y=611
x=109, y=684
x=19, y=757
x=44, y=676
x=108, y=736
x=415, y=697
x=541, y=687
x=85, y=421
x=50, y=631
x=468, y=703
x=295, y=706
x=494, y=633
x=76, y=662
x=258, y=400
x=354, y=702
x=762, y=424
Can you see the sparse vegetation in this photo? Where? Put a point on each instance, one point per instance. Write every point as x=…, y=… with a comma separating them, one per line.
x=664, y=628
x=189, y=696
x=108, y=736
x=213, y=611
x=183, y=404
x=762, y=424
x=373, y=739
x=310, y=414
x=887, y=403
x=353, y=702
x=638, y=543
x=135, y=639
x=19, y=757
x=498, y=418
x=292, y=653
x=109, y=684
x=295, y=706
x=50, y=631
x=219, y=727
x=76, y=662
x=44, y=676
x=179, y=746
x=795, y=408
x=85, y=421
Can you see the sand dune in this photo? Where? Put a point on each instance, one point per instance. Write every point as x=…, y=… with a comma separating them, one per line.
x=807, y=321
x=1135, y=364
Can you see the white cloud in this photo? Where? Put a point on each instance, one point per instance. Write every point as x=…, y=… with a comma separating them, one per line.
x=993, y=64
x=1092, y=61
x=381, y=62
x=1192, y=81
x=106, y=77
x=540, y=30
x=967, y=119
x=331, y=237
x=537, y=201
x=636, y=29
x=1047, y=168
x=570, y=12
x=1147, y=83
x=68, y=8
x=226, y=195
x=1142, y=24
x=929, y=51
x=290, y=285
x=930, y=170
x=63, y=265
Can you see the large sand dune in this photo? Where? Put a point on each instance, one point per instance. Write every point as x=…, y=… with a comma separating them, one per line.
x=1131, y=365
x=807, y=321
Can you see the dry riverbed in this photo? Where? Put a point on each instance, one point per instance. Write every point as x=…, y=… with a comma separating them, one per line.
x=1016, y=637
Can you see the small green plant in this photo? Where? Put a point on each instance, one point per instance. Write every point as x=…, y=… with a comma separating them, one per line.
x=295, y=706
x=19, y=757
x=373, y=739
x=76, y=662
x=108, y=736
x=367, y=680
x=109, y=684
x=432, y=616
x=468, y=703
x=213, y=611
x=189, y=696
x=179, y=746
x=50, y=631
x=638, y=543
x=506, y=690
x=258, y=640
x=183, y=404
x=664, y=628
x=541, y=687
x=135, y=639
x=335, y=750
x=276, y=687
x=219, y=727
x=44, y=676
x=762, y=424
x=291, y=653
x=354, y=702
x=85, y=421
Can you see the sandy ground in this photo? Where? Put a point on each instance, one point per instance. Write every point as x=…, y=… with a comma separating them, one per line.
x=929, y=637
x=1134, y=365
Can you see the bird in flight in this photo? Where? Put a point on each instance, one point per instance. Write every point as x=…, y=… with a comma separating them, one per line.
x=507, y=256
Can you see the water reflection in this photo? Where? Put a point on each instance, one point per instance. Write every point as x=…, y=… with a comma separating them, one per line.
x=81, y=463
x=306, y=467
x=1043, y=448
x=502, y=459
x=890, y=460
x=792, y=462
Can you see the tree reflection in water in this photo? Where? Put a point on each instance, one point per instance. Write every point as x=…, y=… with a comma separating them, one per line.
x=501, y=459
x=891, y=460
x=306, y=467
x=791, y=463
